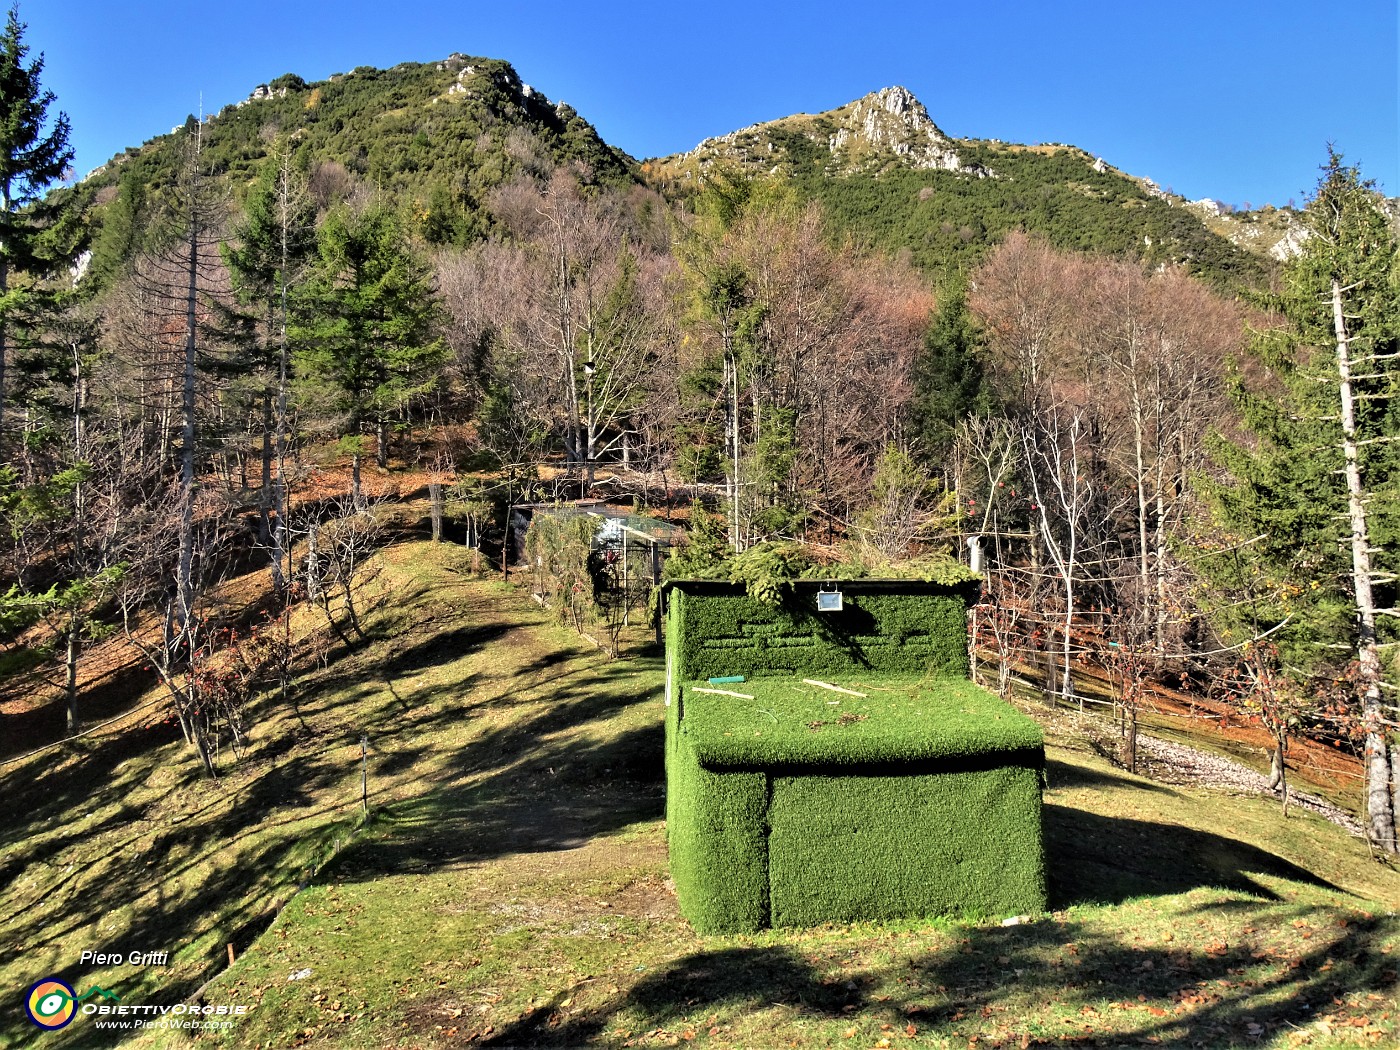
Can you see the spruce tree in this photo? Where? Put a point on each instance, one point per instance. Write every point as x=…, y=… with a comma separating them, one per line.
x=367, y=325
x=950, y=382
x=32, y=157
x=273, y=244
x=1310, y=514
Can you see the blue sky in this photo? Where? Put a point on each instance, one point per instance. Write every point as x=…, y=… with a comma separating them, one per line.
x=1222, y=99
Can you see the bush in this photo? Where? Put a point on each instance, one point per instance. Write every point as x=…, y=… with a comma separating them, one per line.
x=558, y=545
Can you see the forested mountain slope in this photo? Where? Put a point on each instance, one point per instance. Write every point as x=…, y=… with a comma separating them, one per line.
x=437, y=137
x=885, y=172
x=434, y=137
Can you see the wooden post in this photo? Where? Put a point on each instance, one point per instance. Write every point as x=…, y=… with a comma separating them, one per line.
x=435, y=503
x=364, y=772
x=656, y=582
x=505, y=542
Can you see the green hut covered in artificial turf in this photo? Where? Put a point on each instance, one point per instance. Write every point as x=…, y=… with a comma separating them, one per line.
x=854, y=772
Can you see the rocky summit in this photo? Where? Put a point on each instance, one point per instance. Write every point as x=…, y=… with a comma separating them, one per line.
x=887, y=128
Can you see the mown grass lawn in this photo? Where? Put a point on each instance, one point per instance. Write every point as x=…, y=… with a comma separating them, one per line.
x=510, y=885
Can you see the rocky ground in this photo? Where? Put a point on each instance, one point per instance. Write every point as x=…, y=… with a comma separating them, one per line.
x=1173, y=763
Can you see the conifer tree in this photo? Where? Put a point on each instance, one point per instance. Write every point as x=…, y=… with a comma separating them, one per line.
x=32, y=157
x=274, y=242
x=1314, y=494
x=366, y=325
x=950, y=381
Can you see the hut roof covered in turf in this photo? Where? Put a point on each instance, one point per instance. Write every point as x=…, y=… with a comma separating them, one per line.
x=790, y=723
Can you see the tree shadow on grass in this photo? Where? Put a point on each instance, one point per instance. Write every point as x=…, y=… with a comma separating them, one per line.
x=37, y=795
x=191, y=866
x=1093, y=859
x=546, y=661
x=1044, y=983
x=1186, y=994
x=443, y=647
x=1067, y=775
x=193, y=873
x=1119, y=991
x=556, y=796
x=727, y=979
x=224, y=868
x=104, y=698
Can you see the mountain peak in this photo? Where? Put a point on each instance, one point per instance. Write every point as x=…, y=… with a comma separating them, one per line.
x=892, y=120
x=899, y=102
x=886, y=128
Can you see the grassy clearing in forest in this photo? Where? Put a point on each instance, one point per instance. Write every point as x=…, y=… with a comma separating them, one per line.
x=510, y=885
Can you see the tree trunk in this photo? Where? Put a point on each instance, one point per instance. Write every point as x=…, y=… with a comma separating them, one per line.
x=731, y=477
x=352, y=613
x=1395, y=778
x=435, y=502
x=265, y=497
x=313, y=566
x=75, y=622
x=1042, y=643
x=1380, y=811
x=200, y=735
x=70, y=669
x=381, y=445
x=1278, y=767
x=4, y=328
x=1067, y=677
x=281, y=536
x=1140, y=483
x=1159, y=557
x=184, y=581
x=738, y=473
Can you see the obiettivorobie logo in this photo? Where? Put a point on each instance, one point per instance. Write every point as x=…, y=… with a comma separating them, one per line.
x=52, y=1004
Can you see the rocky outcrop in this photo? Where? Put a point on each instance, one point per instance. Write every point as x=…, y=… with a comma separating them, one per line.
x=893, y=121
x=80, y=267
x=1153, y=190
x=262, y=91
x=887, y=127
x=504, y=78
x=1291, y=243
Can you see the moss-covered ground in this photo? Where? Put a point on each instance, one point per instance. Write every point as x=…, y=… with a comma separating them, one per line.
x=510, y=885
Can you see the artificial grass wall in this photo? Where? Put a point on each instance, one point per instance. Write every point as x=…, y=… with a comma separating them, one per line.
x=917, y=843
x=715, y=828
x=917, y=630
x=717, y=833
